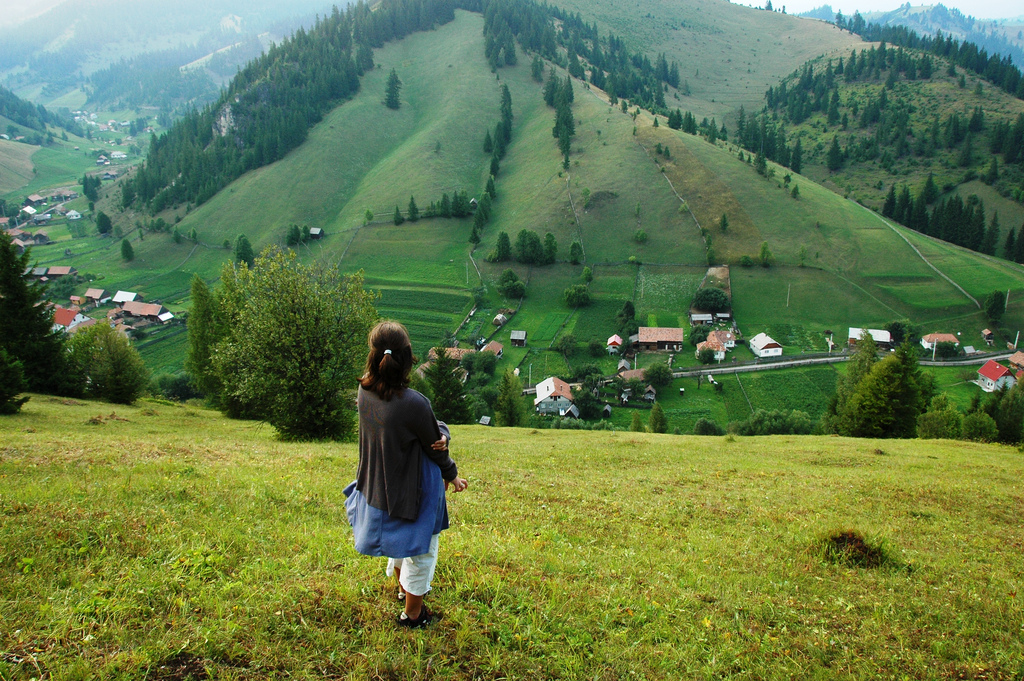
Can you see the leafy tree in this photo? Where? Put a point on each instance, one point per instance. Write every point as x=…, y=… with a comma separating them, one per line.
x=509, y=410
x=12, y=382
x=765, y=256
x=413, y=211
x=595, y=348
x=577, y=295
x=293, y=238
x=656, y=421
x=566, y=345
x=706, y=356
x=995, y=306
x=711, y=299
x=636, y=424
x=586, y=403
x=295, y=341
x=699, y=334
x=659, y=375
x=115, y=370
x=941, y=421
x=979, y=427
x=392, y=90
x=774, y=422
x=640, y=236
x=449, y=399
x=26, y=326
x=127, y=252
x=243, y=251
x=575, y=252
x=887, y=401
x=587, y=275
x=510, y=285
x=103, y=223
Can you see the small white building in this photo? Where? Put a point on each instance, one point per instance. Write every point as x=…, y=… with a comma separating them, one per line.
x=122, y=297
x=614, y=344
x=994, y=376
x=764, y=345
x=931, y=340
x=881, y=337
x=553, y=396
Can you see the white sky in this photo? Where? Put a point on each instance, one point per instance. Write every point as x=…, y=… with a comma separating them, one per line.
x=979, y=9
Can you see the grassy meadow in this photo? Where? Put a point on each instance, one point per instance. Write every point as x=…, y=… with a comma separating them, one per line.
x=133, y=550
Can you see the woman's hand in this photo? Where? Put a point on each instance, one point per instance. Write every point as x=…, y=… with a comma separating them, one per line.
x=441, y=445
x=459, y=484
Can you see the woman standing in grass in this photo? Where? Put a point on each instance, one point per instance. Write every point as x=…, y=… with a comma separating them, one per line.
x=397, y=504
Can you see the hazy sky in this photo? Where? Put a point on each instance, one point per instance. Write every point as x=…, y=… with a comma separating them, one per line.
x=979, y=9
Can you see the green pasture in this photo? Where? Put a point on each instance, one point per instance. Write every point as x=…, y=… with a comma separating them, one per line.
x=130, y=549
x=16, y=167
x=729, y=54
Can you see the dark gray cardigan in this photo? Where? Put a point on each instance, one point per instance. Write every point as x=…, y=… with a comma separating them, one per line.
x=393, y=436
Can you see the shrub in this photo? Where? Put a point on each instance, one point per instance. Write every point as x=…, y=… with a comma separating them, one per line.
x=114, y=368
x=979, y=427
x=577, y=295
x=939, y=424
x=705, y=426
x=595, y=348
x=774, y=422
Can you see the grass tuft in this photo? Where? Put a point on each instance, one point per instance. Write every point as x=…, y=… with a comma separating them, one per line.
x=851, y=549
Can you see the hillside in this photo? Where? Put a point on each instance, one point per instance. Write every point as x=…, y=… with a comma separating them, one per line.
x=130, y=550
x=729, y=54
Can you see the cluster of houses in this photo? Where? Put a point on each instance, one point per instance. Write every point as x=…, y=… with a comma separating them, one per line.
x=129, y=312
x=719, y=341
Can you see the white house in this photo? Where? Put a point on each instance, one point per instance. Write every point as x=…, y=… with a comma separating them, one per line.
x=931, y=340
x=880, y=336
x=553, y=396
x=764, y=345
x=713, y=344
x=74, y=215
x=994, y=376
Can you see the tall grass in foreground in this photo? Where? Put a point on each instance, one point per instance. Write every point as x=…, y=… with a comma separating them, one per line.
x=164, y=541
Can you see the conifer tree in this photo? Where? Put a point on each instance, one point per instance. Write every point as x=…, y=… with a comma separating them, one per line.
x=413, y=211
x=503, y=248
x=491, y=190
x=575, y=252
x=636, y=424
x=889, y=207
x=392, y=90
x=1010, y=245
x=26, y=326
x=656, y=422
x=550, y=248
x=127, y=252
x=834, y=160
x=796, y=157
x=398, y=219
x=509, y=410
x=488, y=143
x=537, y=69
x=449, y=400
x=243, y=251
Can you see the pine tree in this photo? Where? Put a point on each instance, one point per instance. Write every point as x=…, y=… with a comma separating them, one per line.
x=444, y=377
x=509, y=410
x=1010, y=246
x=834, y=160
x=656, y=422
x=488, y=143
x=930, y=192
x=889, y=207
x=537, y=68
x=392, y=90
x=413, y=211
x=503, y=248
x=550, y=248
x=243, y=251
x=398, y=219
x=491, y=190
x=636, y=424
x=26, y=326
x=796, y=158
x=127, y=252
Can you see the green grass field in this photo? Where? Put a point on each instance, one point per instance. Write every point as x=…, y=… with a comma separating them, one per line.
x=132, y=550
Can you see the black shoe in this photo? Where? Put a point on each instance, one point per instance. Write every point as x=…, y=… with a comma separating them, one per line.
x=425, y=618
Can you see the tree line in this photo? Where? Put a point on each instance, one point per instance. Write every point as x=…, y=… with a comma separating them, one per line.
x=994, y=68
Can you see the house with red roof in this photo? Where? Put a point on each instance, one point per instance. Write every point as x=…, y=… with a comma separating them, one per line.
x=67, y=318
x=994, y=376
x=614, y=344
x=712, y=344
x=495, y=347
x=932, y=339
x=554, y=396
x=660, y=338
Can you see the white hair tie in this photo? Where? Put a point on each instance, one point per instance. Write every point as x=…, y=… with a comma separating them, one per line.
x=387, y=352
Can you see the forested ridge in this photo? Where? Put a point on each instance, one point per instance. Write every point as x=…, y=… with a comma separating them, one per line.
x=271, y=104
x=29, y=115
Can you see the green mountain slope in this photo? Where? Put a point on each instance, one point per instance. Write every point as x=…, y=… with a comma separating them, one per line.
x=728, y=54
x=364, y=157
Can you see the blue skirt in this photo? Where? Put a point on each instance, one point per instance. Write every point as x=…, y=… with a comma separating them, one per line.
x=378, y=534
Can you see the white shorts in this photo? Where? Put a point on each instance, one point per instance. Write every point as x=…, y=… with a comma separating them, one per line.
x=416, y=572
